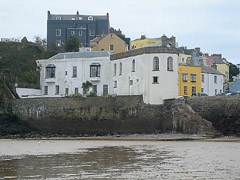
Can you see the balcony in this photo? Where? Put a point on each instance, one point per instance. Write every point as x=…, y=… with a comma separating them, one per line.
x=50, y=80
x=94, y=79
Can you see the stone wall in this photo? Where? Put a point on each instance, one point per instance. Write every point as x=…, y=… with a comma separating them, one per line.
x=222, y=111
x=101, y=116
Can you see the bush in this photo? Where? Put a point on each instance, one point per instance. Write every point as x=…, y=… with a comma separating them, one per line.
x=92, y=94
x=107, y=95
x=76, y=95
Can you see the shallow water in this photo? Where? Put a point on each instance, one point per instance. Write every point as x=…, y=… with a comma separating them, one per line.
x=33, y=159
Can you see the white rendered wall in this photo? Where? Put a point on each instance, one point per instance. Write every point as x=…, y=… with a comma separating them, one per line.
x=166, y=88
x=209, y=86
x=83, y=75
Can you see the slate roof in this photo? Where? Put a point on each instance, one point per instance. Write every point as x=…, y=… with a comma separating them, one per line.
x=70, y=16
x=90, y=54
x=217, y=59
x=210, y=70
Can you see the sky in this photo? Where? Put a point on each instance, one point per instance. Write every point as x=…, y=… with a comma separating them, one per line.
x=212, y=25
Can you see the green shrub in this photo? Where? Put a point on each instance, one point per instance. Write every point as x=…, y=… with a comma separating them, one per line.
x=92, y=94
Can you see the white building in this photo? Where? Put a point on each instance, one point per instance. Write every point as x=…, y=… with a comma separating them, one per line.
x=149, y=71
x=64, y=73
x=212, y=81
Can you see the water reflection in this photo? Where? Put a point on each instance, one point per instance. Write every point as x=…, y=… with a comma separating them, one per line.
x=127, y=160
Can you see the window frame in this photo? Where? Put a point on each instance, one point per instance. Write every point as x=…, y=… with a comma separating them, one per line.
x=185, y=89
x=74, y=75
x=193, y=77
x=155, y=80
x=184, y=77
x=95, y=70
x=169, y=63
x=156, y=65
x=50, y=71
x=120, y=69
x=133, y=65
x=45, y=90
x=57, y=88
x=58, y=32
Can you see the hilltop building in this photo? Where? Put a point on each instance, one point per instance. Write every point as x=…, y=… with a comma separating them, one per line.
x=195, y=53
x=143, y=42
x=114, y=42
x=86, y=27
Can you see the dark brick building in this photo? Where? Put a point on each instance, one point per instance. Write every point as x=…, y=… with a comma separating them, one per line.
x=86, y=27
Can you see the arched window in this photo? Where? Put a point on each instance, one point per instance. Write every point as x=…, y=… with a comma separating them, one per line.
x=170, y=63
x=133, y=66
x=120, y=69
x=156, y=64
x=115, y=69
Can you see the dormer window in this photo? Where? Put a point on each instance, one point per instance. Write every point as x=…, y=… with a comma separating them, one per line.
x=90, y=18
x=73, y=18
x=50, y=71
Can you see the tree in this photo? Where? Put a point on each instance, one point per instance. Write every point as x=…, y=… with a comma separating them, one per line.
x=233, y=71
x=86, y=85
x=72, y=44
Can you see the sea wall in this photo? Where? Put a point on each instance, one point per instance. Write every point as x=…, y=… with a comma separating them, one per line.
x=112, y=115
x=222, y=111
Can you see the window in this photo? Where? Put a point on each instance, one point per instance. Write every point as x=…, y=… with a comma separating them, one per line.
x=45, y=90
x=73, y=18
x=111, y=47
x=90, y=18
x=105, y=89
x=80, y=33
x=115, y=84
x=131, y=82
x=184, y=77
x=74, y=71
x=72, y=33
x=57, y=89
x=91, y=32
x=202, y=78
x=58, y=42
x=133, y=66
x=202, y=90
x=58, y=32
x=155, y=79
x=215, y=79
x=94, y=88
x=220, y=91
x=80, y=18
x=155, y=64
x=185, y=90
x=58, y=18
x=66, y=92
x=194, y=89
x=76, y=91
x=170, y=64
x=50, y=71
x=115, y=70
x=120, y=69
x=193, y=77
x=95, y=70
x=182, y=59
x=65, y=72
x=215, y=91
x=111, y=35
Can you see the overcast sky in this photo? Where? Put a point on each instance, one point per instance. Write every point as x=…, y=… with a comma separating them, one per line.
x=212, y=25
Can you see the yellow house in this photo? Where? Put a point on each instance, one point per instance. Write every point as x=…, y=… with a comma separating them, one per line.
x=224, y=69
x=182, y=58
x=189, y=79
x=111, y=42
x=143, y=41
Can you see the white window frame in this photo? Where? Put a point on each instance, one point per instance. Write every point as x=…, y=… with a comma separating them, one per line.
x=120, y=69
x=57, y=90
x=72, y=33
x=74, y=71
x=215, y=79
x=155, y=80
x=169, y=63
x=202, y=78
x=185, y=90
x=185, y=77
x=115, y=84
x=80, y=33
x=133, y=65
x=111, y=47
x=58, y=42
x=45, y=90
x=156, y=64
x=115, y=69
x=193, y=77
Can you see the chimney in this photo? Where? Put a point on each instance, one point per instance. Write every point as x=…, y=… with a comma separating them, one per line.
x=107, y=15
x=77, y=13
x=219, y=55
x=49, y=14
